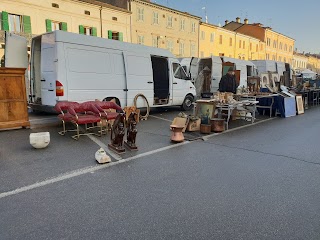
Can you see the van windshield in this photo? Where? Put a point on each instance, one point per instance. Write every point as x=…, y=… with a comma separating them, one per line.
x=179, y=71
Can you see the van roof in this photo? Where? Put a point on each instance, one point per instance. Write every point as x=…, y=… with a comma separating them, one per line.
x=74, y=38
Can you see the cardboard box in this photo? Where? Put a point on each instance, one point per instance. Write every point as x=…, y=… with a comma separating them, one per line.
x=179, y=121
x=194, y=125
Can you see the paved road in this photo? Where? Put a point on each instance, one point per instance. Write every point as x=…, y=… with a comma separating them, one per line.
x=260, y=182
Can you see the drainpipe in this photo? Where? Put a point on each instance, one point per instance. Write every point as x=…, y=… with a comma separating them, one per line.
x=101, y=20
x=198, y=39
x=129, y=7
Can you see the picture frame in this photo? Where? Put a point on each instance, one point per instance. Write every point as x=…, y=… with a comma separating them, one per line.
x=264, y=80
x=300, y=108
x=205, y=111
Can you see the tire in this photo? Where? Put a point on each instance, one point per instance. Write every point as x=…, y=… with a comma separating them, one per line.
x=107, y=99
x=187, y=103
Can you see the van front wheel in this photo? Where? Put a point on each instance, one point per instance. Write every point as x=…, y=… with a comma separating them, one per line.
x=187, y=103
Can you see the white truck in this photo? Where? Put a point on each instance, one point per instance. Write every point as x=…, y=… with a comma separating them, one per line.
x=72, y=67
x=219, y=67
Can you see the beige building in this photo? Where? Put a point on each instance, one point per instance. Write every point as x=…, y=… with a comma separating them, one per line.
x=217, y=41
x=159, y=26
x=33, y=17
x=313, y=62
x=300, y=61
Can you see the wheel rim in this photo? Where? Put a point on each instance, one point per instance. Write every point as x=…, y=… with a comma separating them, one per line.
x=188, y=102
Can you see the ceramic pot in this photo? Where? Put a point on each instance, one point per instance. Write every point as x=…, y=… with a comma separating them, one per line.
x=177, y=135
x=40, y=139
x=217, y=125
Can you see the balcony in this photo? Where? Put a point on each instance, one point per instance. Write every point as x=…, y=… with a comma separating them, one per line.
x=28, y=36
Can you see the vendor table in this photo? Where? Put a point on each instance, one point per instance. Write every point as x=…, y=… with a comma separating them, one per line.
x=248, y=106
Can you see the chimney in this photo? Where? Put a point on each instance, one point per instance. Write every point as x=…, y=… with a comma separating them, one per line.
x=246, y=21
x=226, y=22
x=238, y=20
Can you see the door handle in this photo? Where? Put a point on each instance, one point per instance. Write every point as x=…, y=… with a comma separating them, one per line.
x=150, y=82
x=42, y=80
x=175, y=83
x=50, y=90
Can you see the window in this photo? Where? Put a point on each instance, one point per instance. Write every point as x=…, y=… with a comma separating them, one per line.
x=181, y=49
x=193, y=27
x=268, y=41
x=170, y=45
x=14, y=23
x=290, y=49
x=154, y=42
x=274, y=44
x=201, y=54
x=211, y=37
x=280, y=46
x=220, y=39
x=280, y=59
x=155, y=18
x=257, y=48
x=261, y=47
x=230, y=42
x=203, y=35
x=56, y=25
x=182, y=24
x=244, y=44
x=169, y=21
x=239, y=43
x=192, y=49
x=250, y=46
x=115, y=35
x=285, y=47
x=88, y=31
x=273, y=57
x=221, y=54
x=140, y=14
x=140, y=39
x=178, y=71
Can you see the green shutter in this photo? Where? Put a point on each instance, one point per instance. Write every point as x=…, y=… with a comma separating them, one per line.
x=121, y=36
x=94, y=31
x=48, y=25
x=5, y=21
x=64, y=26
x=81, y=29
x=109, y=34
x=26, y=24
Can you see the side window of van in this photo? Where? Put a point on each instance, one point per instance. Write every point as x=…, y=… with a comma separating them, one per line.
x=178, y=71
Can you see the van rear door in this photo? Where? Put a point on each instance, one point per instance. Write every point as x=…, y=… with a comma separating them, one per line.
x=48, y=71
x=216, y=73
x=139, y=78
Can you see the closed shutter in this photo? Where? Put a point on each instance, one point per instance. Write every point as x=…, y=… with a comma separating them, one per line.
x=48, y=25
x=94, y=31
x=109, y=34
x=5, y=21
x=81, y=29
x=121, y=36
x=26, y=24
x=64, y=26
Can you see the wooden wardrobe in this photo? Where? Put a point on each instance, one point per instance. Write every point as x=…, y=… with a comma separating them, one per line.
x=13, y=99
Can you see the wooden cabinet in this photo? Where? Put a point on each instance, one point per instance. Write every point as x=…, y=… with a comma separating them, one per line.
x=13, y=99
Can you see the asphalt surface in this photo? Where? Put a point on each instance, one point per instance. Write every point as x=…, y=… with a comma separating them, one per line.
x=258, y=182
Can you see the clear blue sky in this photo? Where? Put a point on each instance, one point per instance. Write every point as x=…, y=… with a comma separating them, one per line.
x=299, y=20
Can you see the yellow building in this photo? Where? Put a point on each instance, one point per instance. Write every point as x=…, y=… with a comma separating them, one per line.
x=276, y=46
x=163, y=27
x=33, y=17
x=217, y=41
x=313, y=63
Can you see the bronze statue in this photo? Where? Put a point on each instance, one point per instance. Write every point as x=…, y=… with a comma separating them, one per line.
x=117, y=134
x=131, y=132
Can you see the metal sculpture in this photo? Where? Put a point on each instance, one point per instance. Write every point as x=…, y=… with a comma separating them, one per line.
x=131, y=132
x=117, y=134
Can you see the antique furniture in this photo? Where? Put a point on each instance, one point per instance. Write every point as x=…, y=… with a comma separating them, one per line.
x=64, y=115
x=131, y=132
x=13, y=99
x=117, y=134
x=80, y=117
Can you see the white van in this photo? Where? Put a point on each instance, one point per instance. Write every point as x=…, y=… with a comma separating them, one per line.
x=72, y=67
x=219, y=67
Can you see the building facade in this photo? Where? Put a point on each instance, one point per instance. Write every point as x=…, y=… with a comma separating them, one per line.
x=217, y=41
x=276, y=46
x=158, y=26
x=33, y=17
x=300, y=62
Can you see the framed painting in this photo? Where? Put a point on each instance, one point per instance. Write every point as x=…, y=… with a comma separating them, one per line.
x=299, y=104
x=264, y=80
x=205, y=111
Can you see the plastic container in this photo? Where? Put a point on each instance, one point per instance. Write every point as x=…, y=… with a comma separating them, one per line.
x=39, y=140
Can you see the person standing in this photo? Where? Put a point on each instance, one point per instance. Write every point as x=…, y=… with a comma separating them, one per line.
x=228, y=82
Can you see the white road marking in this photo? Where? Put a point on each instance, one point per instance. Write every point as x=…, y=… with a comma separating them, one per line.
x=84, y=171
x=168, y=120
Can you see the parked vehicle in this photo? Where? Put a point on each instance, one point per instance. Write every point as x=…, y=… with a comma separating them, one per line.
x=219, y=67
x=72, y=67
